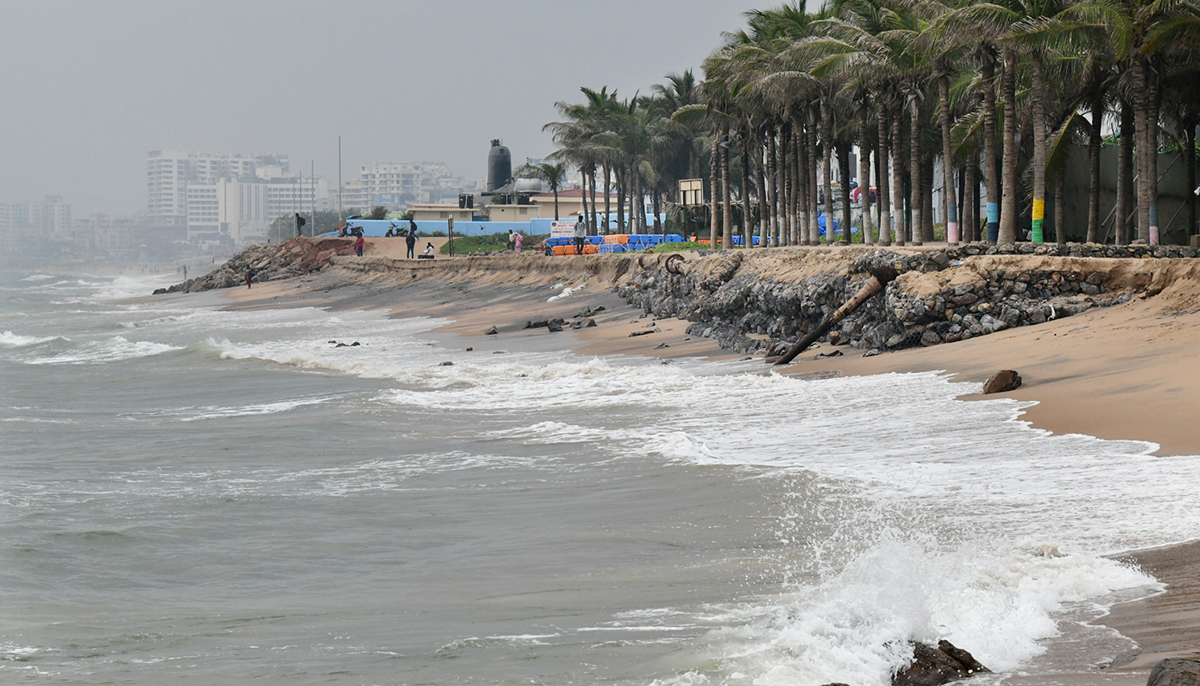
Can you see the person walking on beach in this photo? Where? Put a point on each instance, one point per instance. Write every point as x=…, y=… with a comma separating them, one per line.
x=411, y=241
x=359, y=243
x=511, y=243
x=517, y=240
x=249, y=276
x=580, y=235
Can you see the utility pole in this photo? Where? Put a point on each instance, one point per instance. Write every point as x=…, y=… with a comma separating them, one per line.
x=312, y=182
x=340, y=213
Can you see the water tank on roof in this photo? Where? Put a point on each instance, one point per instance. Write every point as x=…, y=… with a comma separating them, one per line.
x=499, y=166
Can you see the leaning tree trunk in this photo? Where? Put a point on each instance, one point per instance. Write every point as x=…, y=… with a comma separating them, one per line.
x=991, y=164
x=881, y=163
x=948, y=160
x=726, y=204
x=1125, y=193
x=914, y=115
x=1094, y=141
x=1038, y=97
x=864, y=172
x=827, y=156
x=898, y=176
x=714, y=167
x=1008, y=212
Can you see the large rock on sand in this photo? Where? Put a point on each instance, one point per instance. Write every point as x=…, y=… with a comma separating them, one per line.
x=1002, y=381
x=935, y=666
x=1175, y=671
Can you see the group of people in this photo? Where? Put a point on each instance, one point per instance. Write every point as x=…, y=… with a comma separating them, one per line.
x=515, y=239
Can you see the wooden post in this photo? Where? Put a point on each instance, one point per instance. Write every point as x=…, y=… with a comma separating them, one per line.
x=880, y=276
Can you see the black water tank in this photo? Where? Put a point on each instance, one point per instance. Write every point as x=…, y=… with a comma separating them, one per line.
x=499, y=166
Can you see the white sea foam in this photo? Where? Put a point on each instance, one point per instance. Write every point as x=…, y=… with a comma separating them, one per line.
x=9, y=339
x=114, y=349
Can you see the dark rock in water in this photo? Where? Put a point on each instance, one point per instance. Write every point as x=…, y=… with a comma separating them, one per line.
x=935, y=666
x=446, y=364
x=554, y=325
x=355, y=344
x=639, y=333
x=587, y=323
x=333, y=342
x=831, y=353
x=537, y=325
x=1002, y=381
x=342, y=345
x=491, y=332
x=1175, y=671
x=470, y=349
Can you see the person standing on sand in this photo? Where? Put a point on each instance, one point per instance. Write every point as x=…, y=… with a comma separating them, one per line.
x=359, y=243
x=510, y=244
x=517, y=240
x=411, y=241
x=249, y=276
x=580, y=235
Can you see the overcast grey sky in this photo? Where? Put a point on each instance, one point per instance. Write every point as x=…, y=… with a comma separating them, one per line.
x=89, y=87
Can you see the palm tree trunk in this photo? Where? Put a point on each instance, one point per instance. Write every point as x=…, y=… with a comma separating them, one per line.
x=659, y=227
x=714, y=170
x=760, y=178
x=927, y=200
x=948, y=160
x=1125, y=193
x=1038, y=97
x=898, y=176
x=1189, y=132
x=622, y=176
x=772, y=190
x=607, y=197
x=583, y=197
x=882, y=157
x=970, y=209
x=1152, y=154
x=1141, y=123
x=726, y=205
x=556, y=203
x=797, y=229
x=1060, y=206
x=827, y=155
x=785, y=187
x=991, y=164
x=802, y=180
x=843, y=153
x=810, y=144
x=744, y=134
x=864, y=172
x=915, y=197
x=1094, y=142
x=1008, y=211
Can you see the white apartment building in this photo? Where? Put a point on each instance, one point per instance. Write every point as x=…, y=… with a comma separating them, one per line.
x=23, y=222
x=394, y=184
x=242, y=209
x=226, y=196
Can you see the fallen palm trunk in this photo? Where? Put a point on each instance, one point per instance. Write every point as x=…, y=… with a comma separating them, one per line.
x=880, y=276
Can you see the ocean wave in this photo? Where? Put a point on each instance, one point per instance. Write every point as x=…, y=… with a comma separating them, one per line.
x=9, y=339
x=114, y=349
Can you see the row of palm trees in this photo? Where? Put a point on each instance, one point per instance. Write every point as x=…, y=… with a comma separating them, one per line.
x=993, y=94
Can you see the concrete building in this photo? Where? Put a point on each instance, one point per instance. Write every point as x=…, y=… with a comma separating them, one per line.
x=24, y=224
x=440, y=211
x=397, y=184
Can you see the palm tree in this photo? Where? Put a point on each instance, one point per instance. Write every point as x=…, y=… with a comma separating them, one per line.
x=552, y=174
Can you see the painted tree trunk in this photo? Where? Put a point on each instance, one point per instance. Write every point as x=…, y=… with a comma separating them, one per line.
x=1094, y=141
x=882, y=159
x=991, y=164
x=1038, y=105
x=1125, y=194
x=948, y=159
x=1008, y=208
x=864, y=172
x=898, y=177
x=914, y=114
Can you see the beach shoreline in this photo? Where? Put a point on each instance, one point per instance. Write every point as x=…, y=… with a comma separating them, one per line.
x=1083, y=372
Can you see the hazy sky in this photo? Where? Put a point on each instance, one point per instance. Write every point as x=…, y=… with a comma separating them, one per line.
x=89, y=87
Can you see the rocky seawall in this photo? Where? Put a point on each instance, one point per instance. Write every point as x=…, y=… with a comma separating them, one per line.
x=756, y=302
x=270, y=262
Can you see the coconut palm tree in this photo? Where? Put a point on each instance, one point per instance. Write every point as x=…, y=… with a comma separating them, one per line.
x=553, y=174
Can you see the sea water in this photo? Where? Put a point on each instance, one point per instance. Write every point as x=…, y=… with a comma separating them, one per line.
x=203, y=496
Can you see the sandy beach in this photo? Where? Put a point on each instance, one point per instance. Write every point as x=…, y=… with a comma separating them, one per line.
x=1126, y=372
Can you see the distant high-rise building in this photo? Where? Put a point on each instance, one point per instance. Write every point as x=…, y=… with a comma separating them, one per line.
x=23, y=223
x=225, y=196
x=394, y=184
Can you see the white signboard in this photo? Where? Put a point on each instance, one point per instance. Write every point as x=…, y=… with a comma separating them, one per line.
x=562, y=229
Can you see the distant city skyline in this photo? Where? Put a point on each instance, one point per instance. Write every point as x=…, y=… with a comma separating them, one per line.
x=102, y=84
